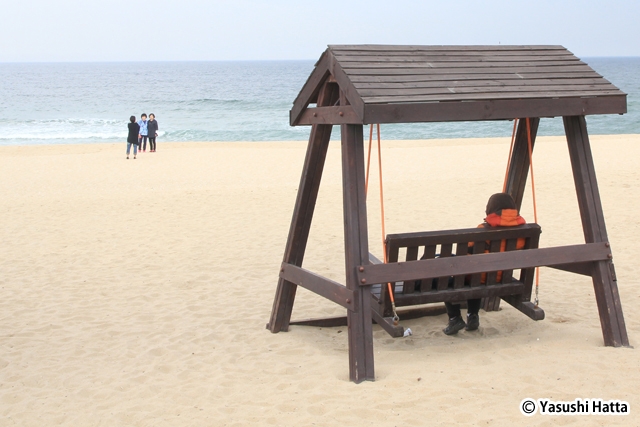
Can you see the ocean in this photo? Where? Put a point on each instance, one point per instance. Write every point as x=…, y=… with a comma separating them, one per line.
x=60, y=103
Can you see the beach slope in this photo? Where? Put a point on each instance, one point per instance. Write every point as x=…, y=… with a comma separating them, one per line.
x=136, y=292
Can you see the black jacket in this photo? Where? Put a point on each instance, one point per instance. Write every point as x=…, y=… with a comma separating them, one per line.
x=152, y=127
x=134, y=130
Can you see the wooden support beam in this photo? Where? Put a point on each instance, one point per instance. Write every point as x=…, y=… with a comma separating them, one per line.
x=527, y=274
x=325, y=322
x=322, y=286
x=479, y=263
x=311, y=89
x=583, y=269
x=303, y=212
x=406, y=314
x=519, y=162
x=614, y=330
x=351, y=96
x=329, y=115
x=526, y=307
x=386, y=323
x=356, y=252
x=517, y=179
x=490, y=109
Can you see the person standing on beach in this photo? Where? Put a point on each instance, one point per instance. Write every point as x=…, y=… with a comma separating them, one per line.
x=132, y=138
x=142, y=136
x=152, y=129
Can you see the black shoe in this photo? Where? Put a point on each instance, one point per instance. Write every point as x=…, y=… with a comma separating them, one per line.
x=473, y=322
x=456, y=324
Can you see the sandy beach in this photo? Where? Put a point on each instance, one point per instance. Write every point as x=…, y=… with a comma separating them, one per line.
x=136, y=292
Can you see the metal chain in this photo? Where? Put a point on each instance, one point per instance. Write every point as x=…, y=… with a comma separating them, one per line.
x=396, y=318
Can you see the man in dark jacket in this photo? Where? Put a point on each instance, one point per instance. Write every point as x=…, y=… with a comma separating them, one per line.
x=152, y=127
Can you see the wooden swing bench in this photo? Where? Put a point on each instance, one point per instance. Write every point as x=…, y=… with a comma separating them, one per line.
x=357, y=85
x=445, y=248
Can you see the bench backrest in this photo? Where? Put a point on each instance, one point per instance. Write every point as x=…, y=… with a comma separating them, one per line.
x=446, y=243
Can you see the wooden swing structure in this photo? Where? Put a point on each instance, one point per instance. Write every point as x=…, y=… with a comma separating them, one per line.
x=356, y=85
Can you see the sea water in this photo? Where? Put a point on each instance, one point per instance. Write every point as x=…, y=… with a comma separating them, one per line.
x=51, y=103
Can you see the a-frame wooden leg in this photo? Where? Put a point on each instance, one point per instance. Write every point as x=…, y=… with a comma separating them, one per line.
x=356, y=254
x=519, y=162
x=605, y=285
x=516, y=183
x=303, y=212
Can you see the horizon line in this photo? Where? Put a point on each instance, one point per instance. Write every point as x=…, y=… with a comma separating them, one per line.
x=219, y=60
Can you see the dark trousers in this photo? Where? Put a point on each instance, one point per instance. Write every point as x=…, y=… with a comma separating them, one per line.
x=152, y=143
x=453, y=310
x=142, y=142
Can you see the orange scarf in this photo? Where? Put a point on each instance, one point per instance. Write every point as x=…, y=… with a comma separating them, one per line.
x=504, y=218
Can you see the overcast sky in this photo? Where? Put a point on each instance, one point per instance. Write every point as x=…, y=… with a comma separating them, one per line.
x=167, y=30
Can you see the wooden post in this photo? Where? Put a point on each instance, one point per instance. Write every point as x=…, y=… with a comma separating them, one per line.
x=517, y=178
x=303, y=212
x=356, y=254
x=519, y=162
x=604, y=281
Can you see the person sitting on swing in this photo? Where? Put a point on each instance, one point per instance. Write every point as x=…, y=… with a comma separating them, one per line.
x=501, y=212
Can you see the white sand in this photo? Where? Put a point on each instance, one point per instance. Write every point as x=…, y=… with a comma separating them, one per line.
x=136, y=292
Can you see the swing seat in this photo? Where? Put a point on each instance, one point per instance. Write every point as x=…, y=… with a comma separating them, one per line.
x=513, y=286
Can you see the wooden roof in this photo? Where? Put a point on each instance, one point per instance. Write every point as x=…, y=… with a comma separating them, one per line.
x=402, y=84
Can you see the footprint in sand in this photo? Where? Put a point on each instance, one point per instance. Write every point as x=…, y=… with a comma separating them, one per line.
x=560, y=319
x=488, y=332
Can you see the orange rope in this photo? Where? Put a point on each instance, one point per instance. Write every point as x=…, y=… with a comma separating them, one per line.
x=513, y=138
x=533, y=191
x=366, y=188
x=384, y=234
x=533, y=182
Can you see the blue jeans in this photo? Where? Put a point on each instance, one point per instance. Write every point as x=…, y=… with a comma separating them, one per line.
x=135, y=148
